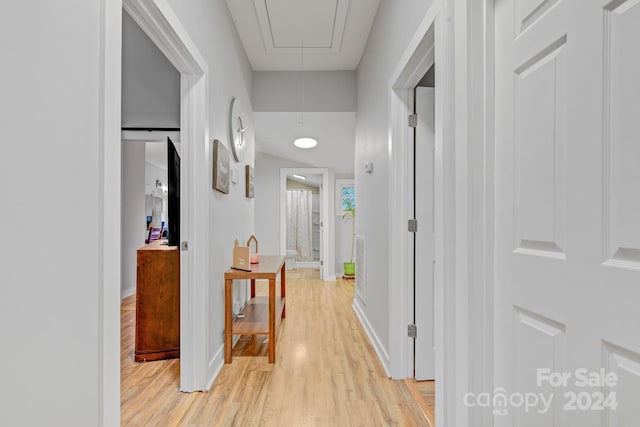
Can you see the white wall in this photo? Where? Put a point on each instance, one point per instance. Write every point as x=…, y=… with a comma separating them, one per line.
x=267, y=200
x=150, y=84
x=151, y=174
x=133, y=212
x=50, y=216
x=395, y=24
x=211, y=28
x=50, y=293
x=325, y=91
x=138, y=179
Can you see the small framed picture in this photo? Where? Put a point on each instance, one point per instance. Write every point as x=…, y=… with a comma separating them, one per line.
x=221, y=168
x=249, y=177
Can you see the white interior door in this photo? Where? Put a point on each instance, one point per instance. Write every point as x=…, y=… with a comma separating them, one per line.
x=567, y=174
x=424, y=355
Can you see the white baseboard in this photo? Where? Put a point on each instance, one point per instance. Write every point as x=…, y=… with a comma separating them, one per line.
x=215, y=366
x=217, y=362
x=375, y=341
x=306, y=264
x=127, y=293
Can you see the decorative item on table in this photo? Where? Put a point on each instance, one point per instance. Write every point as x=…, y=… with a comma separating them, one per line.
x=253, y=254
x=241, y=260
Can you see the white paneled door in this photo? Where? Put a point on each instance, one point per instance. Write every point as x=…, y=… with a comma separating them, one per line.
x=567, y=249
x=424, y=354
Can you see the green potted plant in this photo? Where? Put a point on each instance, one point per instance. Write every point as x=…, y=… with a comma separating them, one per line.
x=350, y=212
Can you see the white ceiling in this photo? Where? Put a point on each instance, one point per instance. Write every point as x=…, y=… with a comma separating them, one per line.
x=156, y=154
x=333, y=32
x=334, y=132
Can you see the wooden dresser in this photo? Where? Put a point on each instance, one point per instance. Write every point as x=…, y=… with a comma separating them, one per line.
x=158, y=302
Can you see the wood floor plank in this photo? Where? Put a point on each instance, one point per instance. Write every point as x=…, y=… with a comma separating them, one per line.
x=326, y=372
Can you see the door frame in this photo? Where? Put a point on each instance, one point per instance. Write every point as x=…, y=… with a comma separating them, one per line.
x=162, y=26
x=415, y=62
x=327, y=217
x=159, y=22
x=458, y=36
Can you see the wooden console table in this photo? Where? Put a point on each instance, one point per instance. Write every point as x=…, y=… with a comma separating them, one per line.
x=256, y=320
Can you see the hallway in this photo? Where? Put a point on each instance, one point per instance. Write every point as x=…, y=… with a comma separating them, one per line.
x=326, y=373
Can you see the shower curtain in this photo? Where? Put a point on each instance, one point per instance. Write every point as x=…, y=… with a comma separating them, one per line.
x=299, y=224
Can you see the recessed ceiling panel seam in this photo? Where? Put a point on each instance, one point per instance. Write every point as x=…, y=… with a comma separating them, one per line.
x=333, y=30
x=273, y=41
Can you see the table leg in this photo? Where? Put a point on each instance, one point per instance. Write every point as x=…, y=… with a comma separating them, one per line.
x=253, y=288
x=272, y=320
x=283, y=289
x=228, y=319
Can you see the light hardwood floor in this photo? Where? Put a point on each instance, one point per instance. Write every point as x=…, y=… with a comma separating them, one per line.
x=424, y=393
x=326, y=373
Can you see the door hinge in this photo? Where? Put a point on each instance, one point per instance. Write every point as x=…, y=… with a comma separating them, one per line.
x=413, y=225
x=412, y=331
x=413, y=120
x=321, y=263
x=184, y=246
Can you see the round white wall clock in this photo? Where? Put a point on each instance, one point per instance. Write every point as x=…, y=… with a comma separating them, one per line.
x=237, y=128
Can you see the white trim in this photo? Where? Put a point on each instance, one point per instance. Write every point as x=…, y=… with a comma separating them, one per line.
x=108, y=304
x=306, y=264
x=327, y=217
x=156, y=135
x=216, y=364
x=383, y=356
x=160, y=23
x=478, y=34
x=127, y=293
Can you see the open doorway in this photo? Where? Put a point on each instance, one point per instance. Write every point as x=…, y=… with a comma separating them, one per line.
x=150, y=285
x=306, y=252
x=165, y=34
x=304, y=228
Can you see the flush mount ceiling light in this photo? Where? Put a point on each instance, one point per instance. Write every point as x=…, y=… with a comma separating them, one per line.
x=300, y=176
x=305, y=142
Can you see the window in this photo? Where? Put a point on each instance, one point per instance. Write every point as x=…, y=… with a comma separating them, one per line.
x=345, y=195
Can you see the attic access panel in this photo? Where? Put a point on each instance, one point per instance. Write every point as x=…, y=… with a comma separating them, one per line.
x=285, y=24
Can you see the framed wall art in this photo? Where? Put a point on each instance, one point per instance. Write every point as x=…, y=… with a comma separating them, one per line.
x=221, y=169
x=249, y=177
